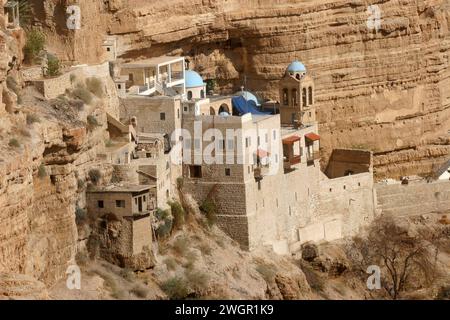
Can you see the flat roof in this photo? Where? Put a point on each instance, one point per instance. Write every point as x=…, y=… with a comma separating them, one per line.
x=152, y=62
x=126, y=188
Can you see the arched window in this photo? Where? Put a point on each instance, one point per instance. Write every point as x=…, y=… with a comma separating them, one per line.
x=310, y=96
x=294, y=97
x=285, y=97
x=224, y=108
x=202, y=94
x=212, y=111
x=189, y=95
x=304, y=93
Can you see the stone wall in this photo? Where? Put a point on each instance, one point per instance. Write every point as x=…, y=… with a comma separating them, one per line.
x=53, y=87
x=414, y=198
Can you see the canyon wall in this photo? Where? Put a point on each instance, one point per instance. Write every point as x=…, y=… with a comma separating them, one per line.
x=386, y=90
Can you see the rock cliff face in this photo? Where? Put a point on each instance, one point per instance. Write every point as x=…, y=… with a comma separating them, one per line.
x=384, y=90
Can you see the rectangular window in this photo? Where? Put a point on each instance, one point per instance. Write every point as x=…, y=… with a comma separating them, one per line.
x=248, y=142
x=227, y=171
x=267, y=138
x=195, y=171
x=145, y=198
x=100, y=204
x=178, y=113
x=259, y=141
x=120, y=203
x=274, y=135
x=162, y=116
x=135, y=200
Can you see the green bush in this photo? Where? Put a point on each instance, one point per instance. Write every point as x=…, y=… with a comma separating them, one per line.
x=34, y=45
x=77, y=104
x=14, y=143
x=176, y=288
x=32, y=118
x=209, y=208
x=95, y=175
x=92, y=121
x=197, y=280
x=73, y=77
x=42, y=173
x=95, y=86
x=82, y=94
x=170, y=263
x=180, y=245
x=80, y=216
x=53, y=66
x=178, y=214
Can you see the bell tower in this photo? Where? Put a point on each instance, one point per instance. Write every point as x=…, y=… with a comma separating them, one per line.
x=296, y=91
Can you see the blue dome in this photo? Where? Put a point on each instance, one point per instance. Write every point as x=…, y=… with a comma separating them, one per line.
x=193, y=79
x=296, y=66
x=248, y=96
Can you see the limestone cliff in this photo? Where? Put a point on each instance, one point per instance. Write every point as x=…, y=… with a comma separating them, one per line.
x=384, y=90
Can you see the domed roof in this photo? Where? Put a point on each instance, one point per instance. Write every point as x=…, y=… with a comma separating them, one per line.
x=193, y=79
x=248, y=96
x=296, y=66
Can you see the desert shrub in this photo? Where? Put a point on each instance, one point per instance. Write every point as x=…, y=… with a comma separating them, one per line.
x=95, y=175
x=95, y=86
x=127, y=274
x=165, y=227
x=140, y=291
x=191, y=258
x=178, y=214
x=77, y=104
x=13, y=142
x=209, y=209
x=205, y=248
x=82, y=94
x=92, y=121
x=32, y=118
x=180, y=183
x=170, y=263
x=26, y=14
x=197, y=280
x=108, y=143
x=176, y=288
x=53, y=66
x=34, y=45
x=180, y=245
x=42, y=173
x=72, y=77
x=80, y=216
x=266, y=271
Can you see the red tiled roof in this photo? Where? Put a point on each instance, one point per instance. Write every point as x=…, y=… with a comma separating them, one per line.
x=312, y=136
x=291, y=139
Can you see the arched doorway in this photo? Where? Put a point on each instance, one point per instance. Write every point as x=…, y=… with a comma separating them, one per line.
x=189, y=95
x=224, y=108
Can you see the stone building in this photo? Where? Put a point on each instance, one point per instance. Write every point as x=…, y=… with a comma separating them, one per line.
x=123, y=215
x=265, y=178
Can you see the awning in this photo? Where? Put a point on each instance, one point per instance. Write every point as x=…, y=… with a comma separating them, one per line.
x=260, y=153
x=312, y=136
x=291, y=139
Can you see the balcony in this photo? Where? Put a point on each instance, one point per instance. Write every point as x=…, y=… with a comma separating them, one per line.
x=288, y=164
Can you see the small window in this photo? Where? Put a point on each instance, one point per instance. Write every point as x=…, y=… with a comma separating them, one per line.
x=195, y=171
x=185, y=109
x=119, y=86
x=162, y=116
x=189, y=95
x=108, y=49
x=120, y=203
x=227, y=171
x=100, y=204
x=267, y=138
x=135, y=201
x=274, y=135
x=178, y=113
x=144, y=198
x=259, y=185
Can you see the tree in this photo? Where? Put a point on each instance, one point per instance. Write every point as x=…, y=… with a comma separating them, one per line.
x=406, y=259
